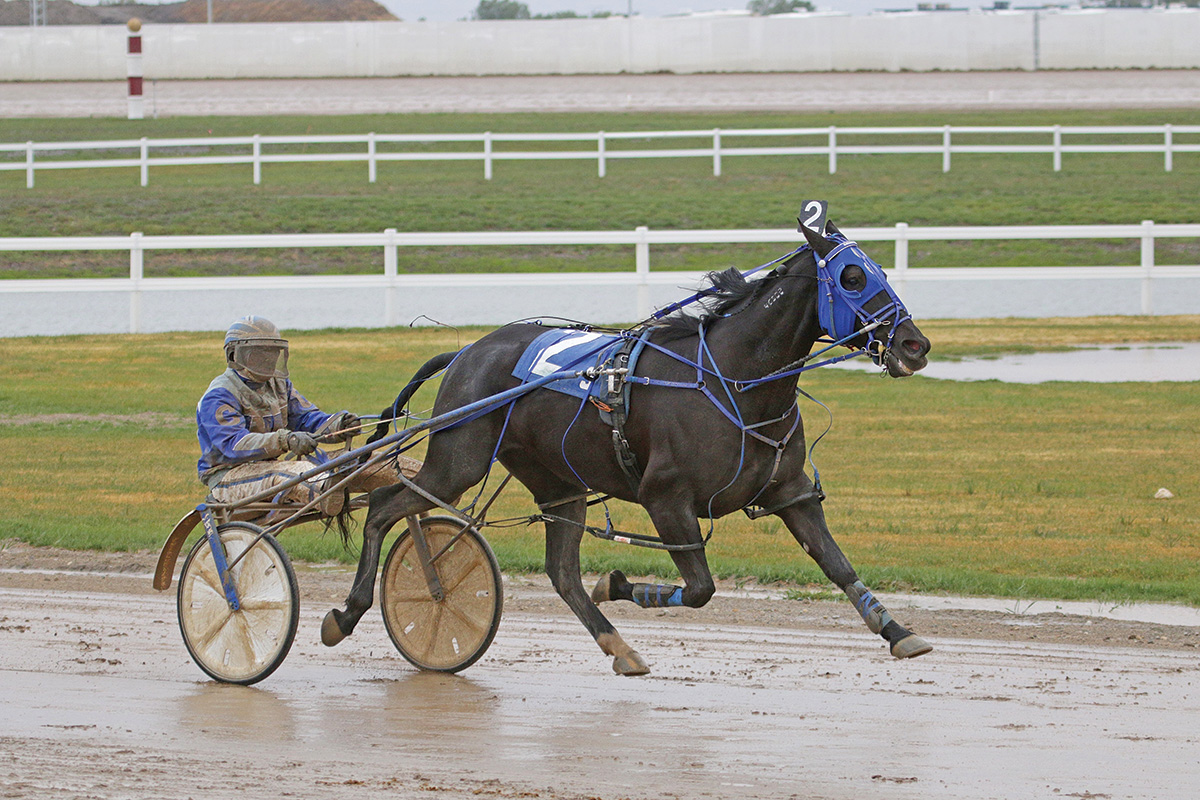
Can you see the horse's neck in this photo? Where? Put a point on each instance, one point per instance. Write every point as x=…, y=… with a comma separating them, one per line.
x=776, y=329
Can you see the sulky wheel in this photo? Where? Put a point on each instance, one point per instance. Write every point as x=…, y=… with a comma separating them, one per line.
x=450, y=634
x=246, y=645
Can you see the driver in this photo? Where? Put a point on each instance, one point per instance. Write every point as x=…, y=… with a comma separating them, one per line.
x=251, y=417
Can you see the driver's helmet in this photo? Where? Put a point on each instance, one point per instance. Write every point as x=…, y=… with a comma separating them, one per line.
x=254, y=346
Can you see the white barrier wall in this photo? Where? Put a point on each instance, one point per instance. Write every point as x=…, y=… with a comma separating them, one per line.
x=805, y=43
x=175, y=304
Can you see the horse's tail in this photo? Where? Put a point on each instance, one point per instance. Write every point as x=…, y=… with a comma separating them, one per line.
x=433, y=366
x=430, y=368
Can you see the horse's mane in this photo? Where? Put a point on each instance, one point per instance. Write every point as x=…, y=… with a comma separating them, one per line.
x=728, y=290
x=725, y=291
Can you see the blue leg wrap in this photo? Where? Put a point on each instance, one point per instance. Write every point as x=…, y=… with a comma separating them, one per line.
x=870, y=609
x=649, y=595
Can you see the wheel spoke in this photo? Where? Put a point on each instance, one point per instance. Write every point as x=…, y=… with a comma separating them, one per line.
x=265, y=604
x=474, y=625
x=422, y=596
x=432, y=639
x=209, y=575
x=449, y=584
x=217, y=622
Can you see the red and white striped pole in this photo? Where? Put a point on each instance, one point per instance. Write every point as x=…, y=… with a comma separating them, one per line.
x=133, y=68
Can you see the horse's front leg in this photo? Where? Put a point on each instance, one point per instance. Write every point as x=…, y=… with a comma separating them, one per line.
x=387, y=506
x=806, y=521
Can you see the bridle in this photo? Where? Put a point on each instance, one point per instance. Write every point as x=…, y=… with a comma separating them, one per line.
x=841, y=310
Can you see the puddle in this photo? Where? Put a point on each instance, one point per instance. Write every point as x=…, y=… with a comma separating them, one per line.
x=1175, y=361
x=1155, y=613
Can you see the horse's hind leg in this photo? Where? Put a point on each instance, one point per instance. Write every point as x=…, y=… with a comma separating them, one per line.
x=806, y=521
x=562, y=565
x=388, y=505
x=458, y=459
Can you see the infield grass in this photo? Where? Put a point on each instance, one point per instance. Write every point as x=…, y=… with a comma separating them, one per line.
x=934, y=486
x=976, y=488
x=752, y=192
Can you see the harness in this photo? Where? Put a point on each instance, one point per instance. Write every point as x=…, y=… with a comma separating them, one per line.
x=840, y=312
x=842, y=317
x=614, y=408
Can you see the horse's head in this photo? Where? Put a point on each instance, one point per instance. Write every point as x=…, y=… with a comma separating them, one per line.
x=854, y=295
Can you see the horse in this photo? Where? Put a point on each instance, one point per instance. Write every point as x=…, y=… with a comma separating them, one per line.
x=709, y=436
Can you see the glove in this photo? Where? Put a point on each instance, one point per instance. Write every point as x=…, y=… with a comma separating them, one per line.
x=350, y=423
x=301, y=443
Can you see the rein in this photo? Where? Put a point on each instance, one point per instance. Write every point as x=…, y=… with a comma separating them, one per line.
x=831, y=316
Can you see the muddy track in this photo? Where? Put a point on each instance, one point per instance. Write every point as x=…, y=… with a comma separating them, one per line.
x=754, y=696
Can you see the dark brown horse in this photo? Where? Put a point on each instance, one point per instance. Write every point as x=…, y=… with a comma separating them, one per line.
x=723, y=442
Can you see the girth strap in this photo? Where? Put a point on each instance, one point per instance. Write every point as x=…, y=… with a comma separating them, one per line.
x=614, y=410
x=754, y=512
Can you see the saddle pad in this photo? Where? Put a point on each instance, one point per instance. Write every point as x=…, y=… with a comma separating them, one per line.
x=564, y=349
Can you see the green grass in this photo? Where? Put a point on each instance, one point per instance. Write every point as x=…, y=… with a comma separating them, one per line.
x=978, y=488
x=935, y=486
x=757, y=192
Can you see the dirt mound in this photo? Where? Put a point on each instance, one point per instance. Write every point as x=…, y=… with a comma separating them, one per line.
x=284, y=11
x=64, y=12
x=58, y=12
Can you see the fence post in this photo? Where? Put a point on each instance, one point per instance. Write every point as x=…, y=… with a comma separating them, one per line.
x=136, y=271
x=1147, y=266
x=29, y=165
x=901, y=257
x=901, y=246
x=1058, y=148
x=487, y=155
x=257, y=159
x=145, y=158
x=133, y=70
x=716, y=152
x=601, y=150
x=390, y=271
x=832, y=149
x=946, y=149
x=641, y=258
x=1168, y=144
x=371, y=157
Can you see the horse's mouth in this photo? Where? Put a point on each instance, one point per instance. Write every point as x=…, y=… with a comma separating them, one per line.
x=902, y=364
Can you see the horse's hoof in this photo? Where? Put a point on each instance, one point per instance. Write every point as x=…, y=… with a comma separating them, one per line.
x=331, y=632
x=911, y=646
x=602, y=591
x=630, y=664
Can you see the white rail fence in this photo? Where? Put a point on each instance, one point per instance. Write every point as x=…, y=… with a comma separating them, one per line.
x=372, y=148
x=140, y=304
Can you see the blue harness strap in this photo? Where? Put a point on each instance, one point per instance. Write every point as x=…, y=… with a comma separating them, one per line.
x=608, y=360
x=574, y=362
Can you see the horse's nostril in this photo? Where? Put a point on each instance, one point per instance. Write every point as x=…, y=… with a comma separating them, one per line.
x=913, y=347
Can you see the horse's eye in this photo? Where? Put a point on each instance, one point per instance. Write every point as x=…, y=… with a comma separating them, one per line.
x=853, y=279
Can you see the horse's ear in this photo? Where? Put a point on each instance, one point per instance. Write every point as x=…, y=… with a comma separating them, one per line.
x=820, y=245
x=831, y=228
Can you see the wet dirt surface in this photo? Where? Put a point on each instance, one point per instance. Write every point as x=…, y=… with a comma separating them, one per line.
x=754, y=696
x=711, y=92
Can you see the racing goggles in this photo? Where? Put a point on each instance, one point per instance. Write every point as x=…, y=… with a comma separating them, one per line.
x=262, y=358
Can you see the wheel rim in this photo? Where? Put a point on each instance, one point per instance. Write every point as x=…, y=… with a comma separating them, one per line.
x=245, y=645
x=450, y=634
